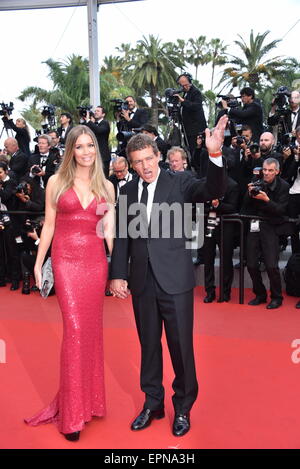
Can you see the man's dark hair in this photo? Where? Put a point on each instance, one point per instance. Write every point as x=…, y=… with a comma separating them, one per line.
x=245, y=128
x=53, y=132
x=139, y=142
x=68, y=115
x=4, y=166
x=129, y=96
x=248, y=91
x=103, y=110
x=150, y=128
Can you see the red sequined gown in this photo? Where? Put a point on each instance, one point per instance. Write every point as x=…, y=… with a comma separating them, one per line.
x=80, y=273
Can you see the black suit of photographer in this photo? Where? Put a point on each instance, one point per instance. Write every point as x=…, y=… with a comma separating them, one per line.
x=287, y=120
x=22, y=136
x=50, y=166
x=266, y=240
x=9, y=254
x=102, y=130
x=60, y=131
x=250, y=114
x=192, y=116
x=138, y=119
x=18, y=164
x=228, y=204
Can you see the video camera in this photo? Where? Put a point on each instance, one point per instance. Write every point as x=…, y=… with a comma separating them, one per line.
x=282, y=99
x=6, y=108
x=83, y=110
x=119, y=105
x=232, y=101
x=22, y=188
x=48, y=113
x=172, y=101
x=124, y=136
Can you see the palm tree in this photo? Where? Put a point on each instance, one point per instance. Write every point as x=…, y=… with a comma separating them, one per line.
x=70, y=85
x=253, y=68
x=198, y=54
x=152, y=68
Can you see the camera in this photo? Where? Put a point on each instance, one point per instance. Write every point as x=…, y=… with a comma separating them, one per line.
x=36, y=170
x=119, y=105
x=254, y=148
x=4, y=220
x=30, y=226
x=257, y=182
x=124, y=136
x=22, y=188
x=172, y=102
x=212, y=222
x=6, y=108
x=83, y=110
x=48, y=113
x=282, y=99
x=240, y=139
x=232, y=101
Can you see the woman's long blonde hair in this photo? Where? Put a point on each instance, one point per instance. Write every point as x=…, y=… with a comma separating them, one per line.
x=67, y=169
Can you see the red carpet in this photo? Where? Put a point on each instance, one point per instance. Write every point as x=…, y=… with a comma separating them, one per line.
x=249, y=386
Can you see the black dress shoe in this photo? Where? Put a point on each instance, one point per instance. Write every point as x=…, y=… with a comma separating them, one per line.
x=274, y=304
x=297, y=305
x=226, y=297
x=210, y=297
x=257, y=300
x=72, y=436
x=145, y=418
x=14, y=285
x=181, y=424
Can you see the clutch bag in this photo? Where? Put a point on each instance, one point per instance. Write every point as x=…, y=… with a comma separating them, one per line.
x=47, y=278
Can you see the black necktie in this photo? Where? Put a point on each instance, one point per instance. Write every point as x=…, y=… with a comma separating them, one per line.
x=144, y=198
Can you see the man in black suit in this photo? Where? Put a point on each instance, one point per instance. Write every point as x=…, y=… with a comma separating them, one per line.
x=271, y=202
x=47, y=160
x=101, y=128
x=192, y=114
x=161, y=144
x=250, y=114
x=66, y=125
x=121, y=175
x=18, y=161
x=161, y=275
x=290, y=119
x=133, y=117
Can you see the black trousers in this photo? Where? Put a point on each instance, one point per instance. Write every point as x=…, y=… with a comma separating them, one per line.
x=9, y=255
x=152, y=309
x=294, y=211
x=266, y=243
x=209, y=250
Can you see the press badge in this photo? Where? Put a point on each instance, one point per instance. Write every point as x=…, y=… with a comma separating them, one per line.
x=254, y=226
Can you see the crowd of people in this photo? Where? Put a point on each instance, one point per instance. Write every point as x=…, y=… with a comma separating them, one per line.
x=256, y=153
x=238, y=167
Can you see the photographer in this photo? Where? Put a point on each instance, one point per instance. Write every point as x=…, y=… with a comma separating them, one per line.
x=66, y=125
x=18, y=161
x=43, y=164
x=285, y=112
x=213, y=210
x=9, y=255
x=132, y=117
x=199, y=160
x=22, y=132
x=161, y=144
x=292, y=176
x=250, y=114
x=101, y=128
x=266, y=197
x=192, y=114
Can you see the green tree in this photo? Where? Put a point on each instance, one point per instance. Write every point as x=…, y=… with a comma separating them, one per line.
x=197, y=54
x=253, y=68
x=152, y=67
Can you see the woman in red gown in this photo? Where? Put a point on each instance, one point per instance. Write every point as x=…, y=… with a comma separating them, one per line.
x=79, y=214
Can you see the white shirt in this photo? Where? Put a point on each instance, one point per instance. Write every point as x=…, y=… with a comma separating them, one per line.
x=294, y=118
x=128, y=178
x=152, y=186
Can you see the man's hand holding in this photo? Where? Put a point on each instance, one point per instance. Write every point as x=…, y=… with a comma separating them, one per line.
x=119, y=288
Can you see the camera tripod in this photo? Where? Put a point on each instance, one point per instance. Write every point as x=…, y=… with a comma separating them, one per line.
x=176, y=134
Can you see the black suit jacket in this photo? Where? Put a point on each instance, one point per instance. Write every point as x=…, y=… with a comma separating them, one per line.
x=51, y=164
x=101, y=131
x=170, y=260
x=193, y=118
x=18, y=164
x=252, y=115
x=273, y=120
x=59, y=131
